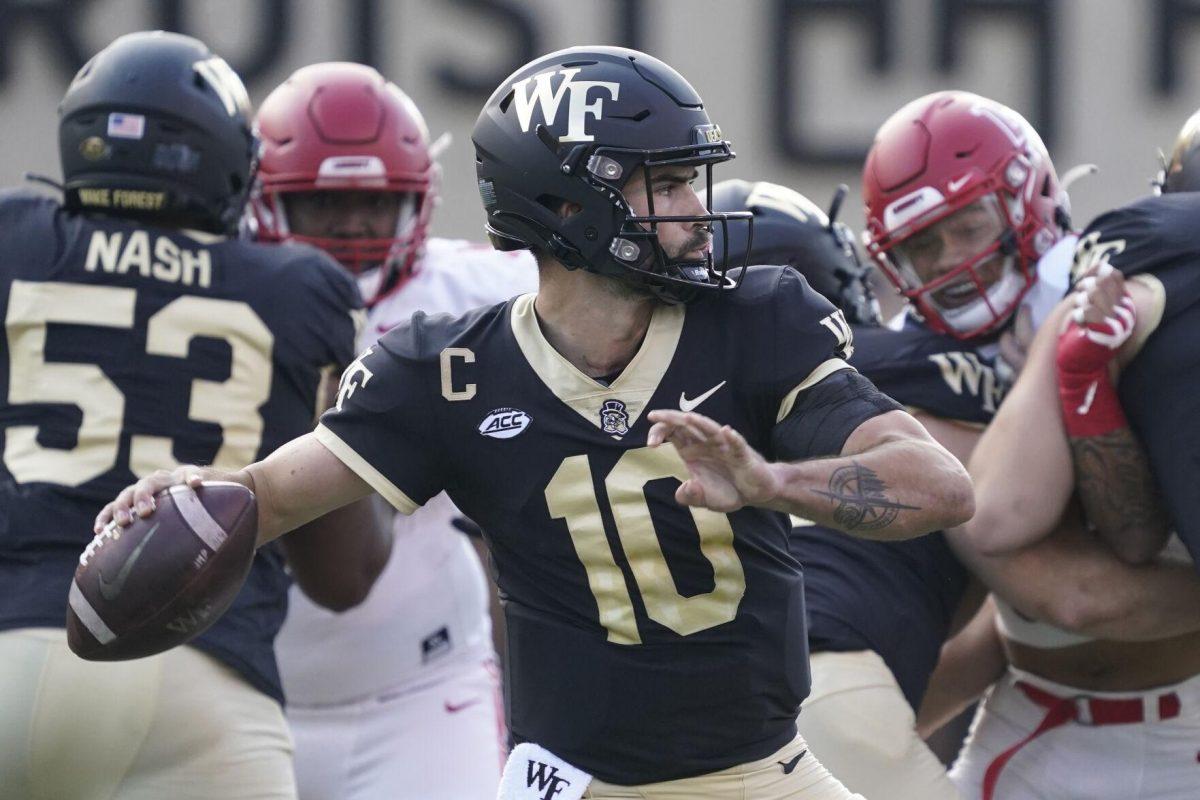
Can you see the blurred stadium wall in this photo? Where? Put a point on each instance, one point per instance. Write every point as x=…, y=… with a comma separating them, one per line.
x=798, y=85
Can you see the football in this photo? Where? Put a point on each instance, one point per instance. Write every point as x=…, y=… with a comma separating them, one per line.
x=164, y=579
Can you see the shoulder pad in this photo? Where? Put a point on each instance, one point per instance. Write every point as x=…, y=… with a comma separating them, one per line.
x=760, y=283
x=1147, y=235
x=425, y=336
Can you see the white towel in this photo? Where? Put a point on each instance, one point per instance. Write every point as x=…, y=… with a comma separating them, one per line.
x=534, y=773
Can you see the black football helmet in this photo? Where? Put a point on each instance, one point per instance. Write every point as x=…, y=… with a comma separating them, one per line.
x=790, y=229
x=573, y=127
x=1182, y=172
x=155, y=126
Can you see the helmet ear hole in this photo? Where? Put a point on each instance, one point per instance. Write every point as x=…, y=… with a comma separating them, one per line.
x=553, y=203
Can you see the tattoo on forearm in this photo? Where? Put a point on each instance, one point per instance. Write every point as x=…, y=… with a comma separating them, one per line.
x=1116, y=486
x=863, y=503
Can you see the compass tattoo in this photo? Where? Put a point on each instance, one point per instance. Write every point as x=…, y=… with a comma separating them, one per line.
x=863, y=504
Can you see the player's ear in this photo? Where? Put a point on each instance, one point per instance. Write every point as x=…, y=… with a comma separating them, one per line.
x=569, y=209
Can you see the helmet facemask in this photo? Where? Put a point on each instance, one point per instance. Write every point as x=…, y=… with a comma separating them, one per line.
x=981, y=292
x=638, y=249
x=363, y=254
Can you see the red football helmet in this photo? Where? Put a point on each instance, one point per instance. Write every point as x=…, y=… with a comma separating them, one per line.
x=343, y=127
x=939, y=155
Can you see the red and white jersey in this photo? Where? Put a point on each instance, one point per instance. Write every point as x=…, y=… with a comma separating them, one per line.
x=428, y=612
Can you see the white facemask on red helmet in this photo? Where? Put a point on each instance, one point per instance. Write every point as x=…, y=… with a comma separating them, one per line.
x=943, y=153
x=343, y=127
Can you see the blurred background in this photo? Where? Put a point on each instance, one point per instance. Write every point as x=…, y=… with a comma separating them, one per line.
x=798, y=85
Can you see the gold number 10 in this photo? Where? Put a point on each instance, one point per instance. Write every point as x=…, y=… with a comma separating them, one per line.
x=570, y=496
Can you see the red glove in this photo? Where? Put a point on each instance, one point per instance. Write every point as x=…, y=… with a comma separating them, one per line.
x=1088, y=397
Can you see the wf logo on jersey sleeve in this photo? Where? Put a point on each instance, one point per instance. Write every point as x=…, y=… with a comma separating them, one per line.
x=356, y=375
x=538, y=91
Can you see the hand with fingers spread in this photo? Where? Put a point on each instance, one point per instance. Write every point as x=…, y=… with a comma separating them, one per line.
x=1102, y=321
x=726, y=473
x=138, y=500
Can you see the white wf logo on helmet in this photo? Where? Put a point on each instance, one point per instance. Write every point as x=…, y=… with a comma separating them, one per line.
x=549, y=99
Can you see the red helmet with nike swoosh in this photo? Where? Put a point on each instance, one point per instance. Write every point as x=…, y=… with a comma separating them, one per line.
x=343, y=127
x=946, y=153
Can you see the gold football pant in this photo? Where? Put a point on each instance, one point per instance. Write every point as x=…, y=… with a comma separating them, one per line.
x=791, y=773
x=178, y=725
x=860, y=726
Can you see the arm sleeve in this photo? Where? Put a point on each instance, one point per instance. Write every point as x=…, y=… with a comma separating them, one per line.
x=381, y=427
x=818, y=399
x=824, y=416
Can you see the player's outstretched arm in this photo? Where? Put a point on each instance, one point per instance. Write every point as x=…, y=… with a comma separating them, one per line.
x=1021, y=465
x=1112, y=471
x=891, y=481
x=1073, y=581
x=296, y=484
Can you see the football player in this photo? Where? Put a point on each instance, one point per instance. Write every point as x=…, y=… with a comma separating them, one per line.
x=654, y=613
x=880, y=612
x=347, y=165
x=140, y=335
x=1082, y=712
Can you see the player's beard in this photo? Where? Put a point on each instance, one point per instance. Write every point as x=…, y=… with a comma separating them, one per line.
x=623, y=288
x=699, y=238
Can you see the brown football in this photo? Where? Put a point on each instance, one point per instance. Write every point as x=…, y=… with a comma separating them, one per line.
x=164, y=579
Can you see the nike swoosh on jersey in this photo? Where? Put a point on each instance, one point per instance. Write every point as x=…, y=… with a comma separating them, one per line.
x=689, y=405
x=1086, y=405
x=110, y=589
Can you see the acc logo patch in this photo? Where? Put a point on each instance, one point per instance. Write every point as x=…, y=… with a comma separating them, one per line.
x=504, y=423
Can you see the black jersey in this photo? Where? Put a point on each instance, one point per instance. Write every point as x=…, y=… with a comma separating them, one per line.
x=897, y=598
x=1157, y=240
x=130, y=349
x=646, y=641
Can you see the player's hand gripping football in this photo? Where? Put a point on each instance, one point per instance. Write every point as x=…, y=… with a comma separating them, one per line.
x=138, y=500
x=726, y=472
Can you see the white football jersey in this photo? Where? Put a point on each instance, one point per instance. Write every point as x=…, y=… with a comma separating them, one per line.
x=429, y=608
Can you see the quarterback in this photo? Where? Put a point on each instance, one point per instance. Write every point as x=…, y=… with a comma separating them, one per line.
x=654, y=613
